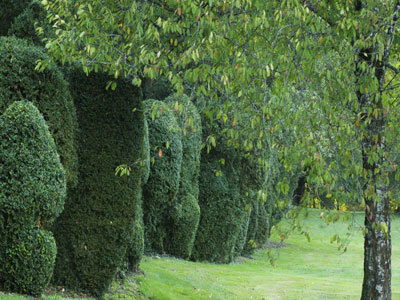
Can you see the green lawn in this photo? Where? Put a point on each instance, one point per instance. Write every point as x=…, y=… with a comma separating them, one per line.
x=303, y=270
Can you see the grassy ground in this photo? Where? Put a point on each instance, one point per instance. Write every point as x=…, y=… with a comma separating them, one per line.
x=303, y=270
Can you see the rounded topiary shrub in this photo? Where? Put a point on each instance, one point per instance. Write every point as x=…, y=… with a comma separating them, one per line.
x=186, y=210
x=161, y=189
x=9, y=9
x=29, y=261
x=33, y=188
x=47, y=90
x=95, y=229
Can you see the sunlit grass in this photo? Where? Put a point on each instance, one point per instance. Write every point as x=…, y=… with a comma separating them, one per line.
x=303, y=270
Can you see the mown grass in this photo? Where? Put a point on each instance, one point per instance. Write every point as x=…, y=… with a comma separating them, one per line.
x=303, y=270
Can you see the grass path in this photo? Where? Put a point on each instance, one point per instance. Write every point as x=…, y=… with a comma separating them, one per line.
x=303, y=270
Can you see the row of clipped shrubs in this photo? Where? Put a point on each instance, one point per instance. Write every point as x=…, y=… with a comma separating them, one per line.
x=65, y=215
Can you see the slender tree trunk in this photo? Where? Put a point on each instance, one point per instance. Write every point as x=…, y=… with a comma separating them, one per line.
x=377, y=244
x=377, y=253
x=377, y=240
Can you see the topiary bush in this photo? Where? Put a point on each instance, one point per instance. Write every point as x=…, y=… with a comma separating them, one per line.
x=136, y=249
x=221, y=207
x=33, y=188
x=242, y=237
x=26, y=24
x=47, y=90
x=161, y=189
x=9, y=9
x=95, y=229
x=29, y=261
x=186, y=210
x=251, y=182
x=252, y=229
x=264, y=224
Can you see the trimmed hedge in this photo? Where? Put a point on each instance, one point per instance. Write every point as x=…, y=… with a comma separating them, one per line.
x=242, y=238
x=221, y=207
x=29, y=263
x=251, y=181
x=136, y=248
x=252, y=229
x=264, y=224
x=161, y=189
x=32, y=181
x=95, y=229
x=9, y=9
x=47, y=90
x=186, y=210
x=25, y=24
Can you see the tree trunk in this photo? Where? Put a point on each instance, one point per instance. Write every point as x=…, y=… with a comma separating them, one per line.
x=377, y=253
x=377, y=244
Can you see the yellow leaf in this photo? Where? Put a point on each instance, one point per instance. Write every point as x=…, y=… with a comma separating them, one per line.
x=328, y=195
x=358, y=122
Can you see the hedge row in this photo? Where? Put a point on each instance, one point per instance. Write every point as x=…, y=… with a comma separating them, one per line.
x=109, y=220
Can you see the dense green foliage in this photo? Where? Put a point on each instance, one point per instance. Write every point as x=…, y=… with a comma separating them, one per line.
x=28, y=266
x=252, y=177
x=221, y=207
x=252, y=229
x=32, y=182
x=136, y=249
x=26, y=25
x=158, y=89
x=9, y=9
x=161, y=189
x=186, y=210
x=242, y=237
x=95, y=228
x=47, y=90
